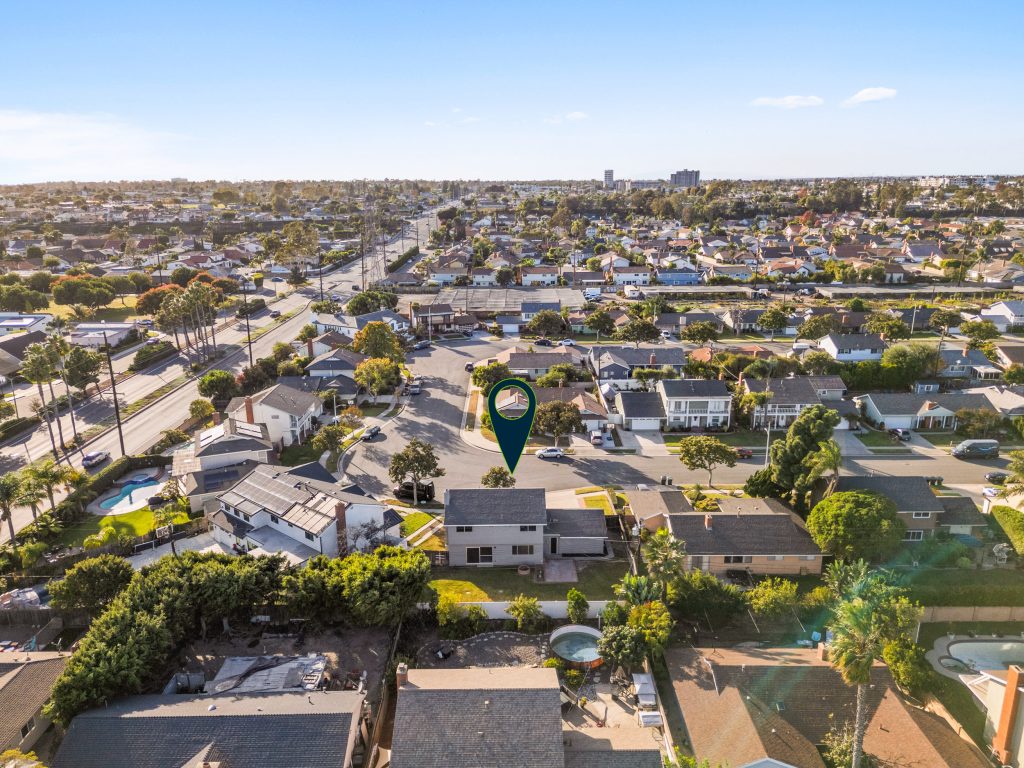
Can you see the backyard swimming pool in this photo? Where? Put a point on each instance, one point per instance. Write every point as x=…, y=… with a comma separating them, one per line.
x=133, y=492
x=983, y=654
x=577, y=644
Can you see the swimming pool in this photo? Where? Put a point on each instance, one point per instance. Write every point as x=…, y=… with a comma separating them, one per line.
x=984, y=654
x=133, y=492
x=577, y=644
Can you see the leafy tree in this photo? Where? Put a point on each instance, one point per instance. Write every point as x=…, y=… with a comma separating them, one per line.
x=371, y=301
x=979, y=422
x=254, y=378
x=788, y=456
x=699, y=333
x=773, y=320
x=944, y=319
x=91, y=291
x=556, y=418
x=149, y=303
x=486, y=376
x=82, y=367
x=655, y=624
x=527, y=613
x=818, y=326
x=380, y=587
x=218, y=385
x=377, y=339
x=600, y=322
x=378, y=375
x=576, y=606
x=888, y=326
x=705, y=452
x=913, y=361
x=91, y=585
x=200, y=408
x=415, y=462
x=1014, y=485
x=772, y=597
x=818, y=363
x=623, y=646
x=638, y=331
x=856, y=524
x=979, y=331
x=329, y=438
x=504, y=276
x=637, y=590
x=664, y=555
x=498, y=477
x=1014, y=374
x=308, y=332
x=547, y=322
x=702, y=596
x=907, y=663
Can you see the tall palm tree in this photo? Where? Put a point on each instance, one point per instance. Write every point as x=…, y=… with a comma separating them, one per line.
x=59, y=348
x=664, y=555
x=856, y=644
x=37, y=368
x=49, y=476
x=10, y=490
x=31, y=493
x=828, y=458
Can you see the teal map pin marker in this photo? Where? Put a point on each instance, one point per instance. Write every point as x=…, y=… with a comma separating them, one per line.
x=512, y=434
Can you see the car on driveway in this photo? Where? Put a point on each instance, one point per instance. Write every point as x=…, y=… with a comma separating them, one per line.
x=900, y=434
x=997, y=478
x=95, y=458
x=567, y=343
x=550, y=453
x=424, y=492
x=744, y=453
x=991, y=493
x=371, y=433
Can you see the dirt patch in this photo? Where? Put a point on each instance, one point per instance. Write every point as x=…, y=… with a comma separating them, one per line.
x=492, y=649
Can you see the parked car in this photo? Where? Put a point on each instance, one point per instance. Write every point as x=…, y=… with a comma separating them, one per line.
x=597, y=437
x=145, y=322
x=152, y=342
x=991, y=493
x=900, y=434
x=550, y=453
x=275, y=313
x=415, y=388
x=977, y=449
x=424, y=491
x=421, y=344
x=542, y=343
x=567, y=343
x=469, y=367
x=744, y=453
x=666, y=335
x=95, y=458
x=355, y=287
x=997, y=478
x=277, y=280
x=371, y=433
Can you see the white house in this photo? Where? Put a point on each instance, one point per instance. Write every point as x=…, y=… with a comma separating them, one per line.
x=790, y=396
x=95, y=335
x=631, y=276
x=288, y=414
x=699, y=403
x=1005, y=314
x=15, y=322
x=539, y=275
x=853, y=347
x=484, y=277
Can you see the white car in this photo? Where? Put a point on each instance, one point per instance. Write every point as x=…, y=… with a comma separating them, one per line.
x=991, y=493
x=550, y=453
x=567, y=343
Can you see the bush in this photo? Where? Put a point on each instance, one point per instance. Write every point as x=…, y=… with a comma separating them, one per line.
x=814, y=605
x=254, y=306
x=1012, y=523
x=457, y=622
x=527, y=613
x=151, y=353
x=553, y=662
x=574, y=678
x=578, y=606
x=907, y=664
x=14, y=427
x=772, y=597
x=615, y=614
x=171, y=437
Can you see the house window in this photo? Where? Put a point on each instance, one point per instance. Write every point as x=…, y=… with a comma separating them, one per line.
x=808, y=557
x=776, y=557
x=922, y=515
x=736, y=559
x=310, y=536
x=479, y=555
x=525, y=528
x=913, y=536
x=463, y=528
x=522, y=549
x=26, y=729
x=275, y=519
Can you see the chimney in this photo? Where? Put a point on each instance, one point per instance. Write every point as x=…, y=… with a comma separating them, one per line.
x=1002, y=742
x=967, y=350
x=216, y=417
x=248, y=411
x=309, y=347
x=739, y=379
x=653, y=359
x=707, y=521
x=402, y=674
x=339, y=517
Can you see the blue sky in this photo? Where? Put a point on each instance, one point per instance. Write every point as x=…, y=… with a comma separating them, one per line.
x=236, y=90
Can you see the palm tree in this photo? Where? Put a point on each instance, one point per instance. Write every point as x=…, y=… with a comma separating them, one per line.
x=856, y=643
x=49, y=475
x=37, y=368
x=10, y=491
x=637, y=590
x=828, y=458
x=664, y=555
x=31, y=493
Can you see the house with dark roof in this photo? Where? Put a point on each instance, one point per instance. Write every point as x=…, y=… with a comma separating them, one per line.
x=334, y=362
x=853, y=347
x=25, y=683
x=615, y=365
x=529, y=309
x=909, y=410
x=288, y=414
x=772, y=708
x=695, y=403
x=759, y=536
x=12, y=349
x=270, y=730
x=965, y=363
x=918, y=507
x=433, y=318
x=514, y=526
x=791, y=395
x=640, y=411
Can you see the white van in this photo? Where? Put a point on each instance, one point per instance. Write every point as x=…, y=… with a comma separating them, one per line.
x=592, y=293
x=799, y=348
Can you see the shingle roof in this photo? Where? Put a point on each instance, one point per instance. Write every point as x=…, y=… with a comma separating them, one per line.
x=799, y=390
x=749, y=533
x=909, y=494
x=582, y=522
x=278, y=730
x=641, y=405
x=24, y=688
x=961, y=510
x=495, y=506
x=694, y=388
x=645, y=504
x=859, y=341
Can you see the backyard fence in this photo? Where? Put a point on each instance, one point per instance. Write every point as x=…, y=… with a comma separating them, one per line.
x=555, y=609
x=41, y=617
x=940, y=613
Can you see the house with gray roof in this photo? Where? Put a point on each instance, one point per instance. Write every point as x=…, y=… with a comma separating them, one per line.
x=918, y=507
x=25, y=683
x=615, y=365
x=640, y=411
x=790, y=396
x=514, y=526
x=909, y=410
x=695, y=403
x=853, y=347
x=270, y=730
x=965, y=363
x=288, y=414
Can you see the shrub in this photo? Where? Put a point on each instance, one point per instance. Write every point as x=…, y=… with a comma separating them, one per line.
x=1012, y=523
x=553, y=662
x=614, y=614
x=574, y=678
x=909, y=668
x=772, y=597
x=527, y=613
x=254, y=306
x=577, y=606
x=450, y=617
x=16, y=426
x=814, y=605
x=151, y=353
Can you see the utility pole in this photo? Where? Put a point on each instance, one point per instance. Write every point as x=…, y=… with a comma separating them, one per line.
x=245, y=308
x=113, y=390
x=320, y=267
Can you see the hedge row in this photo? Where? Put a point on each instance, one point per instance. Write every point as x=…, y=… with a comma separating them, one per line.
x=17, y=426
x=151, y=353
x=1012, y=522
x=402, y=260
x=255, y=305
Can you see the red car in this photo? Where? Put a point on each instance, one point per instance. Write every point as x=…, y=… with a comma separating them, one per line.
x=744, y=453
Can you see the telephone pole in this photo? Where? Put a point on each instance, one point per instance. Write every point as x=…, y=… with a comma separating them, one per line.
x=113, y=390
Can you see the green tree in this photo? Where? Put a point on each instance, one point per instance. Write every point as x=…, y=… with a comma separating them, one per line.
x=773, y=320
x=378, y=375
x=308, y=332
x=577, y=606
x=504, y=276
x=818, y=326
x=601, y=323
x=371, y=301
x=944, y=319
x=705, y=452
x=702, y=596
x=979, y=331
x=560, y=375
x=772, y=597
x=556, y=418
x=415, y=462
x=1014, y=374
x=486, y=376
x=201, y=408
x=638, y=331
x=527, y=613
x=787, y=457
x=827, y=459
x=979, y=423
x=329, y=438
x=218, y=385
x=664, y=555
x=82, y=367
x=498, y=477
x=655, y=624
x=91, y=585
x=700, y=332
x=37, y=368
x=623, y=646
x=50, y=476
x=637, y=590
x=547, y=322
x=890, y=327
x=856, y=524
x=380, y=587
x=150, y=302
x=819, y=363
x=377, y=339
x=10, y=491
x=913, y=361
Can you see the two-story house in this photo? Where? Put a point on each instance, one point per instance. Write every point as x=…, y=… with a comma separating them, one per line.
x=615, y=365
x=1005, y=314
x=287, y=413
x=788, y=397
x=918, y=507
x=678, y=276
x=630, y=276
x=695, y=403
x=529, y=309
x=853, y=347
x=513, y=526
x=542, y=275
x=484, y=277
x=299, y=512
x=433, y=318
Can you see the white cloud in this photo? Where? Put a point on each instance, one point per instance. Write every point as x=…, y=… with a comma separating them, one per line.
x=568, y=117
x=38, y=146
x=469, y=120
x=865, y=95
x=456, y=110
x=788, y=102
x=429, y=123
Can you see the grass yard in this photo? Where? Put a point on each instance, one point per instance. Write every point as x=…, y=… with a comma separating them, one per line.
x=596, y=581
x=433, y=543
x=874, y=439
x=414, y=521
x=599, y=501
x=369, y=409
x=1001, y=586
x=738, y=439
x=299, y=453
x=114, y=312
x=137, y=523
x=474, y=399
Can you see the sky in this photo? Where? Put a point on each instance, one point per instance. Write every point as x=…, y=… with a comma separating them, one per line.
x=508, y=90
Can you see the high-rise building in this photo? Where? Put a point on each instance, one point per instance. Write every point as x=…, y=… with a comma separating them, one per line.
x=685, y=178
x=609, y=178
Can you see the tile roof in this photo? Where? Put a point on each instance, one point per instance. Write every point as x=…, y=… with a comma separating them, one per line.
x=495, y=506
x=757, y=530
x=24, y=688
x=276, y=730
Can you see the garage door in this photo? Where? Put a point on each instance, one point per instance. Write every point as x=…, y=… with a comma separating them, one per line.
x=640, y=425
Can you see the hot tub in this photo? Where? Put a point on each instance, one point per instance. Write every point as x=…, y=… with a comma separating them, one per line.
x=576, y=644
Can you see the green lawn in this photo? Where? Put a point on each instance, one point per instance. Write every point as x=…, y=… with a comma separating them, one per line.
x=596, y=580
x=137, y=523
x=599, y=501
x=433, y=543
x=115, y=311
x=874, y=439
x=967, y=587
x=296, y=454
x=947, y=439
x=414, y=521
x=739, y=439
x=373, y=410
